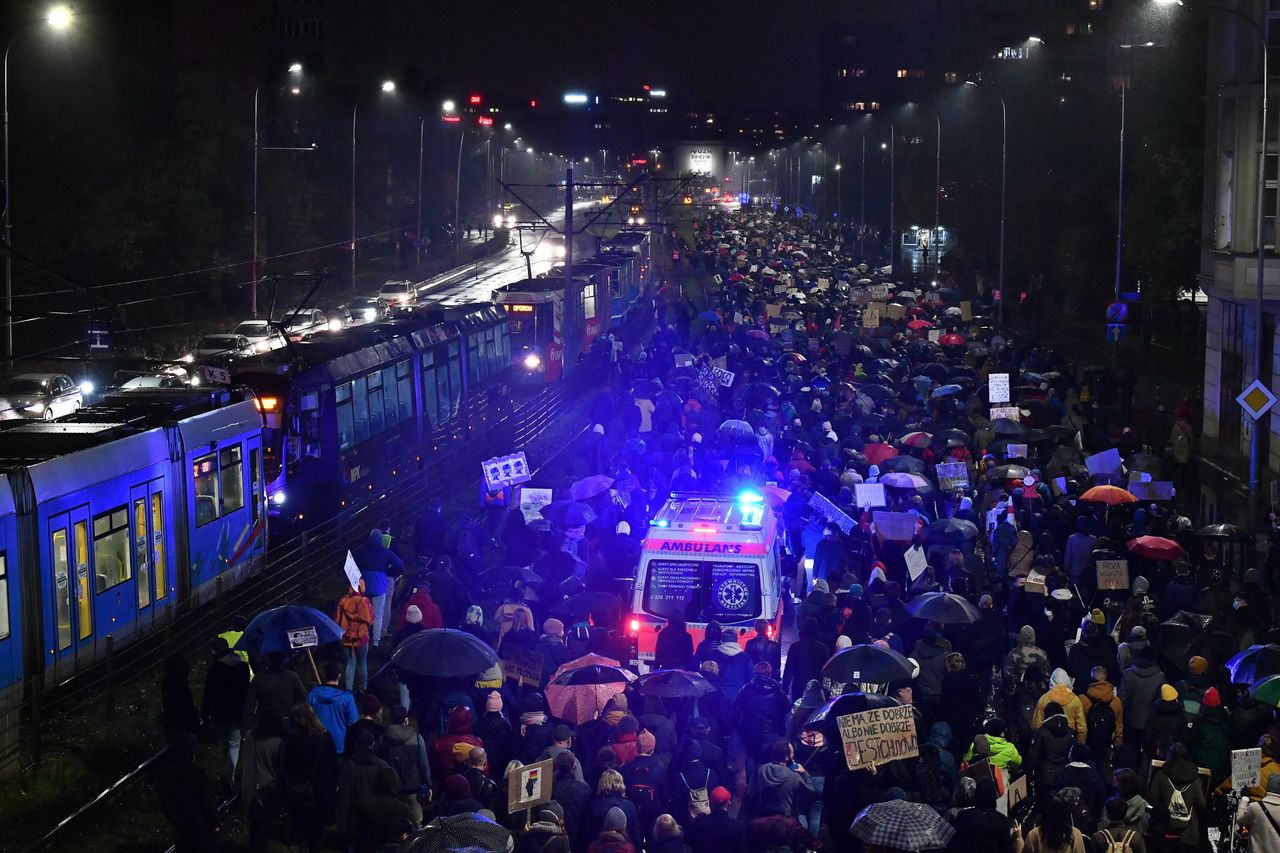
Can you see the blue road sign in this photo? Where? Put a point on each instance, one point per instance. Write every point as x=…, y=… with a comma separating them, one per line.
x=1116, y=332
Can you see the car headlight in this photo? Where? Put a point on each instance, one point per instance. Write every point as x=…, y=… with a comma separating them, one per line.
x=511, y=221
x=532, y=361
x=370, y=314
x=405, y=297
x=36, y=408
x=559, y=251
x=188, y=358
x=86, y=387
x=334, y=325
x=640, y=220
x=195, y=380
x=497, y=220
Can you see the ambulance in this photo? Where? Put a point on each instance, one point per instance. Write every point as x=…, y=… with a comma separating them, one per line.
x=713, y=557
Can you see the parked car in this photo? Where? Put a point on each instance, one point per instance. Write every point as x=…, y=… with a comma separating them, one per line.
x=366, y=309
x=42, y=395
x=152, y=380
x=303, y=321
x=222, y=347
x=261, y=335
x=398, y=294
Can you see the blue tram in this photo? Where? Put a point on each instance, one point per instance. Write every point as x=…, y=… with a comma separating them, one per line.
x=115, y=517
x=348, y=411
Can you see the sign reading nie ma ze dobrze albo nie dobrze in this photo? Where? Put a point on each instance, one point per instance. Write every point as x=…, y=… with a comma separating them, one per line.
x=875, y=737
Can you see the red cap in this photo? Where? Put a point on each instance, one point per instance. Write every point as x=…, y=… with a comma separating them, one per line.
x=720, y=795
x=1211, y=699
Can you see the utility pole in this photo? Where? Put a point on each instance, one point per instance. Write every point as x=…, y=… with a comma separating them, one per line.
x=568, y=225
x=353, y=198
x=862, y=199
x=422, y=131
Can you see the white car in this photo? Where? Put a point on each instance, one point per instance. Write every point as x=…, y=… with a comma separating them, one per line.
x=305, y=320
x=398, y=294
x=261, y=335
x=152, y=380
x=221, y=348
x=42, y=395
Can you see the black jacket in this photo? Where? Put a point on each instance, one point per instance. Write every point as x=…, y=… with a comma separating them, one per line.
x=760, y=710
x=804, y=661
x=982, y=829
x=575, y=798
x=717, y=833
x=225, y=687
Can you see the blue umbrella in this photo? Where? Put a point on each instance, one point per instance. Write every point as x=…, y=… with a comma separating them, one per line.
x=946, y=391
x=709, y=316
x=269, y=631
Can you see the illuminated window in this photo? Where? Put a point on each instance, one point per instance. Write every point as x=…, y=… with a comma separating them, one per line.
x=902, y=73
x=875, y=105
x=1095, y=5
x=111, y=549
x=4, y=596
x=232, y=479
x=140, y=552
x=205, y=474
x=859, y=72
x=1071, y=29
x=842, y=72
x=917, y=73
x=1088, y=28
x=62, y=588
x=951, y=77
x=157, y=528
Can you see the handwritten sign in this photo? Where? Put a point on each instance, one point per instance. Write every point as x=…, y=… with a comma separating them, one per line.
x=831, y=513
x=352, y=571
x=1106, y=462
x=1008, y=412
x=1113, y=574
x=895, y=311
x=1035, y=582
x=871, y=315
x=867, y=495
x=875, y=737
x=1246, y=768
x=303, y=638
x=1016, y=451
x=520, y=664
x=772, y=310
x=532, y=501
x=529, y=786
x=966, y=311
x=916, y=561
x=1015, y=793
x=503, y=471
x=895, y=526
x=952, y=475
x=998, y=388
x=934, y=334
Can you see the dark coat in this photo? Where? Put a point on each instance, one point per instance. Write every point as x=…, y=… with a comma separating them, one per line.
x=600, y=806
x=575, y=798
x=674, y=649
x=804, y=661
x=717, y=833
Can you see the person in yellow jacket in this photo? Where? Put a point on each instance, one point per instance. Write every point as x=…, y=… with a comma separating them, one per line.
x=1060, y=691
x=1270, y=747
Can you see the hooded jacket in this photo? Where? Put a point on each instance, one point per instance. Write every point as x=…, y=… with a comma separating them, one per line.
x=406, y=752
x=457, y=730
x=354, y=617
x=940, y=736
x=1166, y=726
x=736, y=668
x=375, y=561
x=336, y=710
x=1183, y=775
x=1049, y=748
x=1211, y=742
x=1003, y=752
x=776, y=789
x=1103, y=691
x=1139, y=689
x=1024, y=654
x=1060, y=692
x=930, y=653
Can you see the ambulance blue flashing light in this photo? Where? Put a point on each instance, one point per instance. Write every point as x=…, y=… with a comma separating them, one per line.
x=750, y=497
x=661, y=522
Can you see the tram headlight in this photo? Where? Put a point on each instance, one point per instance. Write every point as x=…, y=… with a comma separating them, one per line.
x=497, y=220
x=532, y=361
x=278, y=498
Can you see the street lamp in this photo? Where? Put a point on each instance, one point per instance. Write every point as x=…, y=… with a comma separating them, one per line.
x=1004, y=159
x=59, y=19
x=355, y=108
x=448, y=106
x=937, y=196
x=388, y=86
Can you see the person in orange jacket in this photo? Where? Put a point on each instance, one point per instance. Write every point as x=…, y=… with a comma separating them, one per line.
x=355, y=617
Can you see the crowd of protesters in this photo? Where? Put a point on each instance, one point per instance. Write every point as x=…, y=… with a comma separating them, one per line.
x=1114, y=708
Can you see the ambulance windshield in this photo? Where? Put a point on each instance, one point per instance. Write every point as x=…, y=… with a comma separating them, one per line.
x=704, y=590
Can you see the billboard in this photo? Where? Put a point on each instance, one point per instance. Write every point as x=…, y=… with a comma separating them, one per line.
x=700, y=158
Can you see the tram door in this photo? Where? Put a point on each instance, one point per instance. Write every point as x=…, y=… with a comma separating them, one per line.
x=70, y=616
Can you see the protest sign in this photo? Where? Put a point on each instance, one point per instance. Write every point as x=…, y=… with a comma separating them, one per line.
x=352, y=571
x=875, y=737
x=966, y=311
x=916, y=561
x=1059, y=486
x=824, y=283
x=1160, y=490
x=831, y=512
x=1035, y=582
x=529, y=786
x=772, y=310
x=895, y=311
x=726, y=377
x=998, y=388
x=683, y=359
x=1113, y=574
x=1015, y=451
x=503, y=471
x=521, y=664
x=952, y=475
x=934, y=334
x=1014, y=793
x=867, y=495
x=871, y=315
x=532, y=501
x=1009, y=412
x=879, y=292
x=303, y=638
x=1106, y=462
x=897, y=526
x=1246, y=768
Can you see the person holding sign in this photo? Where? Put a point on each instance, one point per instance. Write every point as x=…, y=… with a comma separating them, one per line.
x=355, y=618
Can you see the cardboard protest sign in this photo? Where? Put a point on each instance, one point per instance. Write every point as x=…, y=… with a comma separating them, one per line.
x=1016, y=451
x=352, y=571
x=875, y=737
x=966, y=311
x=824, y=283
x=724, y=376
x=1010, y=412
x=895, y=311
x=896, y=526
x=868, y=495
x=520, y=664
x=1160, y=490
x=772, y=310
x=1106, y=462
x=529, y=786
x=831, y=512
x=952, y=475
x=879, y=292
x=1035, y=582
x=916, y=561
x=1113, y=574
x=1246, y=768
x=934, y=334
x=532, y=501
x=998, y=388
x=1014, y=793
x=871, y=315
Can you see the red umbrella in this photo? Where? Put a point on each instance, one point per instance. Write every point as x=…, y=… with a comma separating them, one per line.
x=918, y=440
x=877, y=453
x=952, y=340
x=919, y=324
x=1109, y=495
x=735, y=277
x=1156, y=547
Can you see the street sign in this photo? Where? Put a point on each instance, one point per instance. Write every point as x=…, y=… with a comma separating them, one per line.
x=98, y=336
x=1256, y=400
x=1116, y=332
x=1117, y=312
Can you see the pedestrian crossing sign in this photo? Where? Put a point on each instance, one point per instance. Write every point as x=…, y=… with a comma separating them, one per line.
x=1256, y=400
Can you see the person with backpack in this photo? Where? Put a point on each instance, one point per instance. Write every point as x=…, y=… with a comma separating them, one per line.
x=982, y=827
x=611, y=795
x=690, y=784
x=1210, y=741
x=779, y=787
x=646, y=782
x=759, y=713
x=405, y=750
x=1081, y=775
x=1166, y=726
x=717, y=831
x=1050, y=747
x=1178, y=799
x=472, y=769
x=1262, y=818
x=1104, y=717
x=1139, y=690
x=1116, y=836
x=936, y=771
x=1060, y=692
x=335, y=707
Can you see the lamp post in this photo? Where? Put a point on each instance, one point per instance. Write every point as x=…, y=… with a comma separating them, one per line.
x=59, y=19
x=1004, y=159
x=893, y=245
x=839, y=195
x=862, y=199
x=422, y=136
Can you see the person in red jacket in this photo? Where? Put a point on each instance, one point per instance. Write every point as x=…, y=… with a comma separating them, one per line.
x=420, y=597
x=457, y=730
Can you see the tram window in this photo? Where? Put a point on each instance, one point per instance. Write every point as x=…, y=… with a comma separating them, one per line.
x=360, y=408
x=374, y=383
x=475, y=370
x=255, y=483
x=111, y=549
x=4, y=595
x=404, y=390
x=346, y=419
x=310, y=425
x=442, y=395
x=205, y=471
x=390, y=393
x=232, y=479
x=455, y=387
x=84, y=602
x=62, y=589
x=157, y=536
x=140, y=552
x=589, y=302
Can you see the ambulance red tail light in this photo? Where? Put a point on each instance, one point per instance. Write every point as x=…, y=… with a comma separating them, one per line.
x=634, y=625
x=768, y=631
x=703, y=528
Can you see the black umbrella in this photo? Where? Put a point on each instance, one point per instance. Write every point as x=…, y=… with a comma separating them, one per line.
x=866, y=664
x=736, y=432
x=957, y=435
x=902, y=464
x=759, y=391
x=467, y=831
x=1254, y=664
x=585, y=603
x=443, y=653
x=674, y=684
x=568, y=513
x=953, y=530
x=1146, y=462
x=944, y=607
x=1005, y=426
x=1060, y=434
x=1223, y=531
x=1008, y=472
x=933, y=371
x=592, y=674
x=877, y=392
x=822, y=722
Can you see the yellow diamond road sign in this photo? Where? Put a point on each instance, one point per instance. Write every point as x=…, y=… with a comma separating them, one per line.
x=1256, y=400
